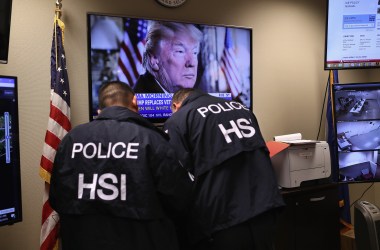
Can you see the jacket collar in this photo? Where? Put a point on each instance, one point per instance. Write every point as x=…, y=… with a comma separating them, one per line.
x=193, y=96
x=123, y=114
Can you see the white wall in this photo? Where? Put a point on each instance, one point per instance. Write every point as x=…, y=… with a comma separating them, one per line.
x=288, y=76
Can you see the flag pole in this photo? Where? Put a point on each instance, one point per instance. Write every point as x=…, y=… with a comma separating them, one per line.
x=58, y=7
x=58, y=13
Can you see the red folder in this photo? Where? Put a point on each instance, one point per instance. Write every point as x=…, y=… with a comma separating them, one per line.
x=276, y=147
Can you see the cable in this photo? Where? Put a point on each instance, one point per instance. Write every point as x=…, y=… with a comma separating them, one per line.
x=362, y=194
x=323, y=107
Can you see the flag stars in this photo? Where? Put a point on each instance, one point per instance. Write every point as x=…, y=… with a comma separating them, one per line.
x=65, y=93
x=62, y=81
x=59, y=69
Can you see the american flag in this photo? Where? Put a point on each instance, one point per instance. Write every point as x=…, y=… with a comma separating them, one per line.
x=230, y=67
x=131, y=50
x=58, y=126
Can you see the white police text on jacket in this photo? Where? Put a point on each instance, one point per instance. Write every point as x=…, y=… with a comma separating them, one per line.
x=116, y=150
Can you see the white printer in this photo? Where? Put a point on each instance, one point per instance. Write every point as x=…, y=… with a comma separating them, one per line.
x=302, y=162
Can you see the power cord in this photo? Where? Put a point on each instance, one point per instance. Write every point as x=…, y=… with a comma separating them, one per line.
x=362, y=194
x=323, y=107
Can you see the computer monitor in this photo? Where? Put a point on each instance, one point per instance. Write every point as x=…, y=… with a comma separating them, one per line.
x=352, y=34
x=116, y=46
x=5, y=28
x=10, y=181
x=357, y=127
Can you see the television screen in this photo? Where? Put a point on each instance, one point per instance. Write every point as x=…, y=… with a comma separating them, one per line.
x=5, y=25
x=352, y=34
x=357, y=125
x=157, y=57
x=10, y=184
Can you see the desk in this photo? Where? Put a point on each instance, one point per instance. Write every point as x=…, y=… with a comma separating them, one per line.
x=343, y=142
x=357, y=108
x=310, y=220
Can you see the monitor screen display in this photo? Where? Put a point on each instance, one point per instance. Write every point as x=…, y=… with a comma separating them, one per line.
x=352, y=34
x=157, y=57
x=357, y=125
x=10, y=185
x=5, y=26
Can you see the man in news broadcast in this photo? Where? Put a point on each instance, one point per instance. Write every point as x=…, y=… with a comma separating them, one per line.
x=116, y=178
x=236, y=197
x=157, y=57
x=170, y=58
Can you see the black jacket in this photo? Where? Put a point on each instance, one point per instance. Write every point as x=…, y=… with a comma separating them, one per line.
x=147, y=84
x=220, y=143
x=120, y=173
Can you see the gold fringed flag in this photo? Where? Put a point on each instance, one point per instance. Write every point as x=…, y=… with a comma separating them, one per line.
x=58, y=126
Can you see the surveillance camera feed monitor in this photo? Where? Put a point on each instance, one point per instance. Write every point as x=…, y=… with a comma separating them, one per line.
x=352, y=34
x=10, y=187
x=357, y=125
x=158, y=57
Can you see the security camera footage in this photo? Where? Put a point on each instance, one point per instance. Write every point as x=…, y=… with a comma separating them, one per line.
x=10, y=190
x=357, y=123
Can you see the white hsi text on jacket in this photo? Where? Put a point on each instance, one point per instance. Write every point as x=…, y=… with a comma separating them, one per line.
x=112, y=150
x=241, y=128
x=99, y=184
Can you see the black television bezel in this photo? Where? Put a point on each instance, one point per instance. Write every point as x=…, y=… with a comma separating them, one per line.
x=354, y=87
x=157, y=121
x=326, y=47
x=16, y=158
x=6, y=20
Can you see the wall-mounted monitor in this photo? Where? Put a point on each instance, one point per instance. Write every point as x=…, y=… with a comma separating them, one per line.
x=352, y=34
x=10, y=183
x=357, y=126
x=5, y=27
x=214, y=58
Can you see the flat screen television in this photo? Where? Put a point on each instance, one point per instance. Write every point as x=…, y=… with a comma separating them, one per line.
x=5, y=26
x=352, y=34
x=10, y=181
x=357, y=126
x=221, y=62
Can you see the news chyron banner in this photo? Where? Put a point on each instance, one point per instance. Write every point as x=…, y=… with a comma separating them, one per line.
x=157, y=105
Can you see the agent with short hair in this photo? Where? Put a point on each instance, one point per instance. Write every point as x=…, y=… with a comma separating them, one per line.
x=115, y=179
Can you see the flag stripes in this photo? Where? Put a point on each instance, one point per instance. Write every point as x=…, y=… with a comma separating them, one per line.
x=129, y=59
x=50, y=226
x=230, y=67
x=131, y=55
x=131, y=51
x=60, y=118
x=46, y=170
x=52, y=140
